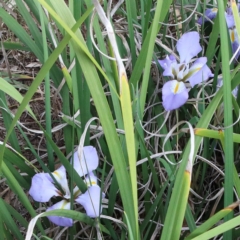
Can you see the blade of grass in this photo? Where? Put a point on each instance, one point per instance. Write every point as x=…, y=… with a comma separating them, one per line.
x=78, y=39
x=228, y=180
x=7, y=120
x=126, y=107
x=125, y=99
x=16, y=215
x=177, y=207
x=212, y=221
x=11, y=91
x=14, y=185
x=35, y=32
x=213, y=38
x=15, y=46
x=148, y=58
x=219, y=229
x=214, y=134
x=8, y=220
x=131, y=16
x=19, y=31
x=47, y=92
x=142, y=62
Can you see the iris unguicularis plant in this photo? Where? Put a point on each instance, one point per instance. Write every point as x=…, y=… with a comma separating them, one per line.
x=43, y=187
x=149, y=160
x=175, y=92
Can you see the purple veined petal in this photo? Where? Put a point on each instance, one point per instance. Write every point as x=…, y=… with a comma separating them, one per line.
x=61, y=178
x=188, y=46
x=210, y=13
x=167, y=64
x=90, y=200
x=230, y=20
x=60, y=221
x=89, y=161
x=42, y=187
x=174, y=95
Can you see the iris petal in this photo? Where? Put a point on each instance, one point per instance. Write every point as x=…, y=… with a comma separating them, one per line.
x=199, y=72
x=167, y=65
x=230, y=20
x=89, y=161
x=234, y=41
x=61, y=178
x=91, y=179
x=174, y=95
x=188, y=46
x=235, y=46
x=42, y=187
x=210, y=13
x=61, y=221
x=90, y=200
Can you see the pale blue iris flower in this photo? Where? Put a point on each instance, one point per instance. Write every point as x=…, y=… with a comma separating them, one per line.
x=211, y=13
x=43, y=187
x=175, y=92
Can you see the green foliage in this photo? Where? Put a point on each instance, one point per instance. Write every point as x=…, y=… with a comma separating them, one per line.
x=158, y=169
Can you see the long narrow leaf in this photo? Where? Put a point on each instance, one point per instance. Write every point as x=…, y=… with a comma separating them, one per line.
x=228, y=120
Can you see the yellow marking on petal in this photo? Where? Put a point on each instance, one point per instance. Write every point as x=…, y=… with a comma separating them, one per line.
x=176, y=88
x=233, y=3
x=214, y=9
x=77, y=193
x=57, y=173
x=92, y=183
x=232, y=36
x=190, y=73
x=64, y=204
